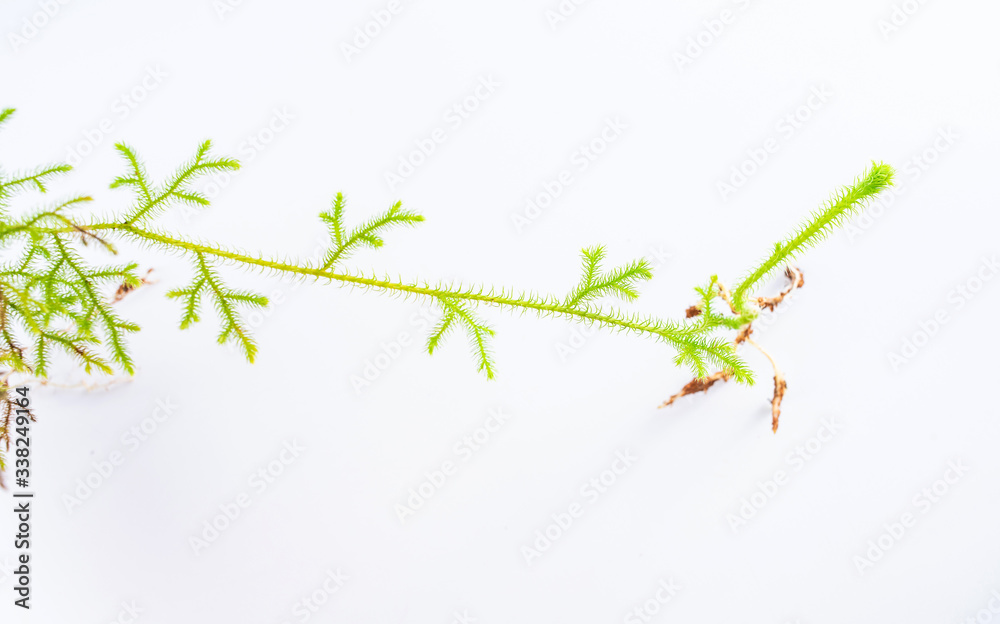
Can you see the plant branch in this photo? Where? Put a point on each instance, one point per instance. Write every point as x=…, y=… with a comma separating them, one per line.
x=844, y=203
x=49, y=295
x=671, y=333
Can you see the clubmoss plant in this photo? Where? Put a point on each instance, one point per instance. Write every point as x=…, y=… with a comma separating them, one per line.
x=50, y=297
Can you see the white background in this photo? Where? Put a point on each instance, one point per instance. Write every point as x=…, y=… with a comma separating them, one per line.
x=653, y=192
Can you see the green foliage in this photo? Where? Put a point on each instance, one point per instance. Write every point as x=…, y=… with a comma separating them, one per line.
x=845, y=202
x=709, y=318
x=365, y=234
x=50, y=296
x=593, y=285
x=226, y=300
x=620, y=282
x=152, y=200
x=455, y=312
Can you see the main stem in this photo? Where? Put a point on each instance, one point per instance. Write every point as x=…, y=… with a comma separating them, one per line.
x=677, y=338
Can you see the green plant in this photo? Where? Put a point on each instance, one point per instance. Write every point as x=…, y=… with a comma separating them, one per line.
x=51, y=297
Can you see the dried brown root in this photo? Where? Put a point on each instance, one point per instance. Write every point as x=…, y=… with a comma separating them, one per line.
x=125, y=289
x=795, y=280
x=744, y=334
x=697, y=385
x=780, y=385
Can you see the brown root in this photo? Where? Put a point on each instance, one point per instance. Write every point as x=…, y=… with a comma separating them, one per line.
x=795, y=280
x=744, y=334
x=697, y=385
x=780, y=385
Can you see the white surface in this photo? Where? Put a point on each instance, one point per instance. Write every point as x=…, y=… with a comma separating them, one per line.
x=654, y=188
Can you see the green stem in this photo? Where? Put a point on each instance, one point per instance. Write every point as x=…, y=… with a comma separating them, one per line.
x=848, y=201
x=677, y=337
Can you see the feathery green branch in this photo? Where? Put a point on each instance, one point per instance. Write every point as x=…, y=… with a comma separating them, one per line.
x=207, y=281
x=151, y=200
x=50, y=296
x=844, y=203
x=365, y=234
x=620, y=282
